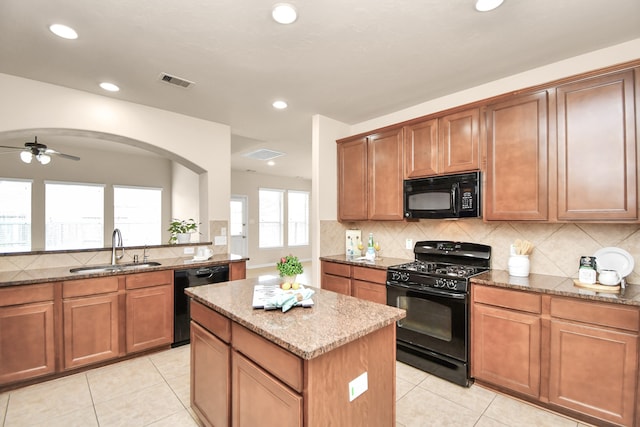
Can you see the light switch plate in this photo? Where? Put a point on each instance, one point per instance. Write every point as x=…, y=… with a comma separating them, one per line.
x=220, y=240
x=358, y=386
x=189, y=251
x=408, y=244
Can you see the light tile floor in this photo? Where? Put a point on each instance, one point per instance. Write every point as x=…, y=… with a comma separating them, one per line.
x=153, y=390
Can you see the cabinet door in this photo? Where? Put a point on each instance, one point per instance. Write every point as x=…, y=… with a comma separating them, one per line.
x=421, y=149
x=352, y=180
x=237, y=270
x=258, y=399
x=593, y=371
x=26, y=341
x=211, y=387
x=370, y=291
x=459, y=141
x=339, y=284
x=90, y=330
x=385, y=175
x=149, y=317
x=496, y=333
x=517, y=166
x=597, y=177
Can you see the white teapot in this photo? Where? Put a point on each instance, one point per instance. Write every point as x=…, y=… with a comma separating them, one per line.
x=609, y=277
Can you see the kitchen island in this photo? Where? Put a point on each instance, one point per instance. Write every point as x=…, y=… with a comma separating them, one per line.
x=330, y=364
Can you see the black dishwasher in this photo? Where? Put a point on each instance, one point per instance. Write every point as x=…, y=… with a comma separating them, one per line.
x=188, y=278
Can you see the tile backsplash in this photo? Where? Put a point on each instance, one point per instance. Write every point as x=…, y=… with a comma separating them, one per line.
x=557, y=247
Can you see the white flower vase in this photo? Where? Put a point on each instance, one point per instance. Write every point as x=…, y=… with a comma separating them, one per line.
x=289, y=279
x=183, y=237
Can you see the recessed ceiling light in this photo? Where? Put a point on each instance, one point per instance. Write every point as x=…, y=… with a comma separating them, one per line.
x=109, y=86
x=280, y=105
x=284, y=13
x=63, y=31
x=271, y=163
x=487, y=5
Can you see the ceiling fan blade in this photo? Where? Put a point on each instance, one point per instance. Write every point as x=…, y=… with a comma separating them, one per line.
x=15, y=148
x=66, y=156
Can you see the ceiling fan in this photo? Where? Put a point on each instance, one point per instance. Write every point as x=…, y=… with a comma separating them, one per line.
x=39, y=151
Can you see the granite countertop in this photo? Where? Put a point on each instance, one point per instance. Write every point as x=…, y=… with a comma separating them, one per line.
x=379, y=263
x=332, y=321
x=57, y=274
x=556, y=285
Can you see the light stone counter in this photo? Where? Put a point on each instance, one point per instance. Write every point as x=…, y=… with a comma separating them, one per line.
x=333, y=321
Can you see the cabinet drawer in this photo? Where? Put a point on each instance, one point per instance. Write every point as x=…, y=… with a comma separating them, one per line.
x=78, y=288
x=522, y=301
x=370, y=275
x=211, y=320
x=610, y=315
x=16, y=295
x=336, y=269
x=285, y=366
x=153, y=278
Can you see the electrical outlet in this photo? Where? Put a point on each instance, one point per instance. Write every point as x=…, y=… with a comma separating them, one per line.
x=189, y=251
x=408, y=244
x=358, y=386
x=223, y=231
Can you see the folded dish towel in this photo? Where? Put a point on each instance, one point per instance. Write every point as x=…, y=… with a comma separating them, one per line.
x=288, y=299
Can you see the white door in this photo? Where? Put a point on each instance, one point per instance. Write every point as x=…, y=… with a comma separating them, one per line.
x=238, y=225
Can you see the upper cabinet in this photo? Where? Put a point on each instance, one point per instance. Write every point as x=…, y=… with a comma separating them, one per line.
x=517, y=159
x=597, y=166
x=448, y=144
x=370, y=177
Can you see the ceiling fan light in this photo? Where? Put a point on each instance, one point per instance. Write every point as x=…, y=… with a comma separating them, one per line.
x=487, y=5
x=63, y=31
x=26, y=156
x=44, y=158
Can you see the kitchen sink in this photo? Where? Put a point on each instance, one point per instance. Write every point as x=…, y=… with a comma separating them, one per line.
x=117, y=267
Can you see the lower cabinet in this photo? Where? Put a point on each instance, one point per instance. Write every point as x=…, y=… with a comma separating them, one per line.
x=149, y=319
x=361, y=282
x=91, y=321
x=26, y=332
x=575, y=356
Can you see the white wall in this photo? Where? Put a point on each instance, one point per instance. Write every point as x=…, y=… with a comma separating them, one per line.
x=199, y=144
x=185, y=194
x=248, y=184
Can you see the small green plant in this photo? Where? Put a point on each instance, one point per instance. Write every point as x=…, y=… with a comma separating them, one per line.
x=181, y=226
x=289, y=266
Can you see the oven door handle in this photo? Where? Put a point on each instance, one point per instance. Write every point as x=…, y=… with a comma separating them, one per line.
x=429, y=291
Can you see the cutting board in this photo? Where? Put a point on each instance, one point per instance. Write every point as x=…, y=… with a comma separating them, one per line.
x=597, y=287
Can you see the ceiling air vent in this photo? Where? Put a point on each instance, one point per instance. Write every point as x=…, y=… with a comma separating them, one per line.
x=263, y=154
x=168, y=78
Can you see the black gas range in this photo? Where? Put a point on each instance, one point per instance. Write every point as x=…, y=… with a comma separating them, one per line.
x=434, y=290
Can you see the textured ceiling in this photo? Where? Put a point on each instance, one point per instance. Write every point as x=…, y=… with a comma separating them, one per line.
x=351, y=60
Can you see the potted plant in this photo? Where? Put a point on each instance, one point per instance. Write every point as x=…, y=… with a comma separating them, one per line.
x=181, y=230
x=289, y=267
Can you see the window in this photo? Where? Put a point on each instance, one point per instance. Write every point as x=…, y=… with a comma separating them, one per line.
x=137, y=212
x=74, y=216
x=15, y=216
x=298, y=213
x=271, y=218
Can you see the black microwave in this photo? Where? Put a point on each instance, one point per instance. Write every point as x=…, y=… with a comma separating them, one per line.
x=447, y=196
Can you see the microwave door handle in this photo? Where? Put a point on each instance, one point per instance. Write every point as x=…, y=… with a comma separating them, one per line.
x=454, y=198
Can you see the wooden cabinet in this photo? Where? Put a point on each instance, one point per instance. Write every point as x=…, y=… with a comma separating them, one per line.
x=237, y=270
x=149, y=308
x=370, y=177
x=91, y=321
x=211, y=389
x=517, y=169
x=597, y=165
x=27, y=343
x=361, y=282
x=444, y=145
x=260, y=399
x=506, y=322
x=570, y=355
x=594, y=359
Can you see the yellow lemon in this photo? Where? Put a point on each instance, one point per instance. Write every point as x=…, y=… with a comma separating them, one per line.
x=296, y=285
x=286, y=286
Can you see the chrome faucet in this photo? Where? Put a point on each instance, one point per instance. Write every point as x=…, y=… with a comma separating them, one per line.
x=116, y=240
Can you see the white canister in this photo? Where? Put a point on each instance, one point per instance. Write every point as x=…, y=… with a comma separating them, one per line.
x=519, y=265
